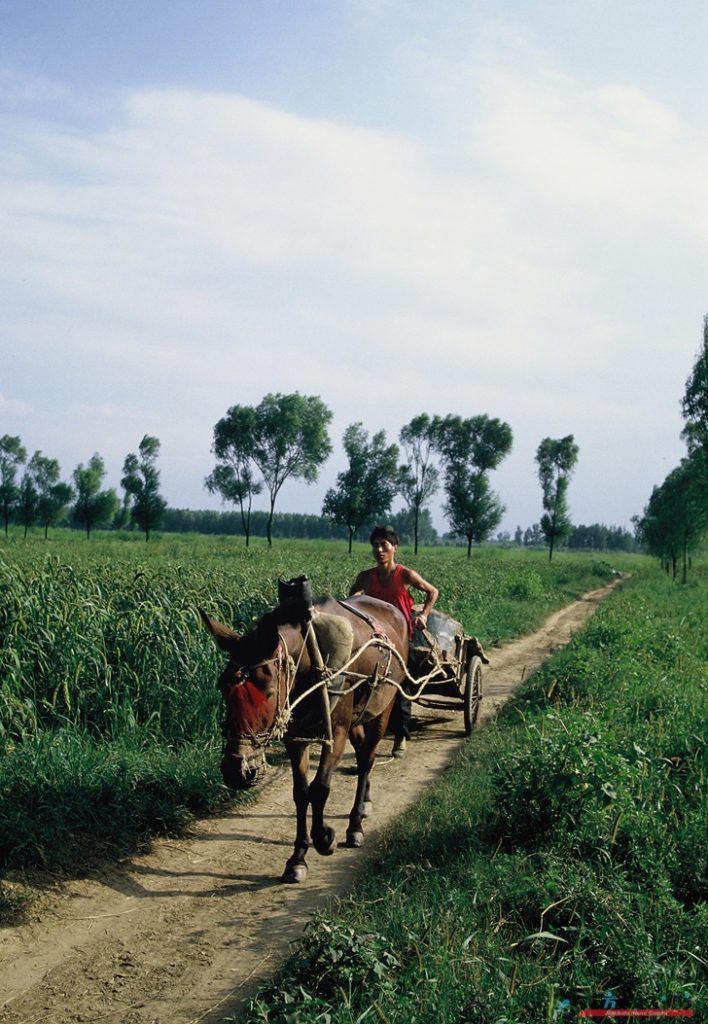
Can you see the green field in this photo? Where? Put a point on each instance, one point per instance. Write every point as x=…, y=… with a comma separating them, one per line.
x=109, y=714
x=560, y=864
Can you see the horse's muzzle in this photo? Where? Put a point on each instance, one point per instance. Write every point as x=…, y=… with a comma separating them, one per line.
x=241, y=772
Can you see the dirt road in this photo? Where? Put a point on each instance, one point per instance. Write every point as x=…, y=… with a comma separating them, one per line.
x=185, y=932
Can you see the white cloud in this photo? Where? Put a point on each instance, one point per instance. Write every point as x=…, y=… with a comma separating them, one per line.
x=615, y=147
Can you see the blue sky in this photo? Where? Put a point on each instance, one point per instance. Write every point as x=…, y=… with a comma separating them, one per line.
x=466, y=207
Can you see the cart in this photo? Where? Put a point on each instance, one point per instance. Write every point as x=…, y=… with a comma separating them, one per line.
x=453, y=661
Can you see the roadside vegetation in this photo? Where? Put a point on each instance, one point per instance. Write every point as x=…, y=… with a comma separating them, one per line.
x=109, y=712
x=560, y=864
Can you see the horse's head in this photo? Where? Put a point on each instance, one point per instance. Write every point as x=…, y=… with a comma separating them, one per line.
x=253, y=687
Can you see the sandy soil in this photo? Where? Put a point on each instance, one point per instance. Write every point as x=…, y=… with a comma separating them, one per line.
x=186, y=932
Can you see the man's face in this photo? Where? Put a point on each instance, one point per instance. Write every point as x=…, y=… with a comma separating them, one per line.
x=383, y=550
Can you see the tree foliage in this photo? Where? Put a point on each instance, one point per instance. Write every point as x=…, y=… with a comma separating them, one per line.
x=53, y=494
x=141, y=483
x=283, y=436
x=292, y=440
x=694, y=404
x=419, y=477
x=234, y=476
x=367, y=488
x=470, y=449
x=93, y=507
x=12, y=456
x=677, y=515
x=556, y=459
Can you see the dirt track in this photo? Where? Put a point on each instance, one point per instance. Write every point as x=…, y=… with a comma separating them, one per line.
x=185, y=932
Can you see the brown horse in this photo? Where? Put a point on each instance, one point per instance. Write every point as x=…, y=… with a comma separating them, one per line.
x=274, y=685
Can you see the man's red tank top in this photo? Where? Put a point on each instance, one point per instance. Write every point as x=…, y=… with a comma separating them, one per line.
x=393, y=590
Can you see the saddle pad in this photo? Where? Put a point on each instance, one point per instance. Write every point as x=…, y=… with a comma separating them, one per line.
x=335, y=639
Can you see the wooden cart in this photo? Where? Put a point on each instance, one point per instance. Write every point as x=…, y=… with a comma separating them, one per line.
x=453, y=661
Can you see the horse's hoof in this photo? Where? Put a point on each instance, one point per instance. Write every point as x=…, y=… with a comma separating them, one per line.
x=325, y=843
x=368, y=808
x=295, y=873
x=355, y=839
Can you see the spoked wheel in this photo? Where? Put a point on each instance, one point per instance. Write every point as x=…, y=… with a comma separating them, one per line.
x=472, y=696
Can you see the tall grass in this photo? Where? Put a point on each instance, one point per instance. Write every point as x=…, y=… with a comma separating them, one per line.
x=561, y=858
x=109, y=714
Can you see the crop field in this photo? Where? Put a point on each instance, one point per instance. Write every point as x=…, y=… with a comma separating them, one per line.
x=109, y=713
x=560, y=865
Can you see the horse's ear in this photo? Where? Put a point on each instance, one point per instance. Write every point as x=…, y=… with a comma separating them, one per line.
x=223, y=636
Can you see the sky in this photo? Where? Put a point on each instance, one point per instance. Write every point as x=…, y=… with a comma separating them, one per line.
x=472, y=207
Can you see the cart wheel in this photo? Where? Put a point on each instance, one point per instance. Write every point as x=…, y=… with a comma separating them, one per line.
x=473, y=693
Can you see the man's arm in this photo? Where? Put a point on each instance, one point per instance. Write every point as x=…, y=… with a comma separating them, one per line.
x=413, y=579
x=359, y=584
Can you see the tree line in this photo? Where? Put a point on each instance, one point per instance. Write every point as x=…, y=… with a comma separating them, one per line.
x=41, y=498
x=258, y=448
x=675, y=519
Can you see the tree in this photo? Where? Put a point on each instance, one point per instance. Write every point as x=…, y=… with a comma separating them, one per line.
x=53, y=495
x=677, y=515
x=367, y=488
x=419, y=478
x=556, y=458
x=141, y=482
x=470, y=449
x=93, y=507
x=533, y=536
x=28, y=496
x=12, y=456
x=291, y=440
x=694, y=404
x=234, y=476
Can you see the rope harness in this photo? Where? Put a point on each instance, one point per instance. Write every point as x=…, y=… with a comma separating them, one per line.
x=284, y=660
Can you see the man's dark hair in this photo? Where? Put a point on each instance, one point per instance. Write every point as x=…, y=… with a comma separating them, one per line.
x=384, y=533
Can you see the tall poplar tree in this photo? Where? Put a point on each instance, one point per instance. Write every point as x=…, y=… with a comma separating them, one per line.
x=291, y=441
x=470, y=449
x=141, y=482
x=366, y=489
x=556, y=459
x=418, y=476
x=12, y=456
x=93, y=507
x=235, y=475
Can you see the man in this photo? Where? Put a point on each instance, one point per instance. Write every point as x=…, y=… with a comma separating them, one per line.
x=389, y=581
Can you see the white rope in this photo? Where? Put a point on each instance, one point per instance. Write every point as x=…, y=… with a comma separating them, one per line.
x=284, y=713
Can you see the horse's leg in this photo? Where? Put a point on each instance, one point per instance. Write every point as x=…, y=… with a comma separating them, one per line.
x=361, y=807
x=299, y=754
x=365, y=739
x=367, y=806
x=323, y=837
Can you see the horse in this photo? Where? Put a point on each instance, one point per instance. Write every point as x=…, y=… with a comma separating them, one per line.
x=282, y=680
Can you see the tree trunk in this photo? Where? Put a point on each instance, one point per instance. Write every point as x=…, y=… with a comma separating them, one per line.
x=415, y=530
x=269, y=529
x=351, y=538
x=685, y=559
x=469, y=547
